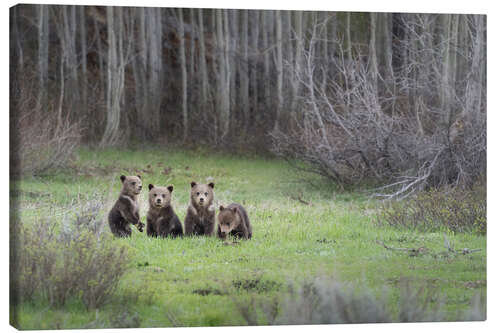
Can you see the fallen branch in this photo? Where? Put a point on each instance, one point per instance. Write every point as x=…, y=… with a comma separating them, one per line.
x=411, y=251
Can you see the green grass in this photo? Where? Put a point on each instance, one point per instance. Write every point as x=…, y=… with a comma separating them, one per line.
x=195, y=280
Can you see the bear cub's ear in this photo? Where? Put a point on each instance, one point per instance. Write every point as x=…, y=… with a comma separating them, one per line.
x=221, y=207
x=234, y=210
x=170, y=188
x=139, y=176
x=122, y=178
x=150, y=186
x=211, y=185
x=193, y=184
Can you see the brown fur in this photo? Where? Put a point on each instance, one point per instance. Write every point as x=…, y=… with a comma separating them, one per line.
x=126, y=209
x=162, y=220
x=233, y=221
x=200, y=217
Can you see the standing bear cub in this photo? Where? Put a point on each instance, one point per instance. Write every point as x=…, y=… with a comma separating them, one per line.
x=200, y=217
x=162, y=220
x=234, y=221
x=126, y=208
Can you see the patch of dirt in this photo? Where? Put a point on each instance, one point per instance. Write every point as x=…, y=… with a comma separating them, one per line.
x=208, y=291
x=257, y=285
x=475, y=284
x=326, y=241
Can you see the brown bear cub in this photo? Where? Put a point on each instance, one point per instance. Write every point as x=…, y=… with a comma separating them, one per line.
x=200, y=217
x=162, y=220
x=126, y=209
x=233, y=221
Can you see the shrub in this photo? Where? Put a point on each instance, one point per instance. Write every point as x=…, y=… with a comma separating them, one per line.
x=455, y=210
x=55, y=264
x=325, y=301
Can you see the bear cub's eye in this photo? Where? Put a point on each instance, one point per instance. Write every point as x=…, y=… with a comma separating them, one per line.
x=197, y=193
x=155, y=195
x=133, y=183
x=163, y=195
x=206, y=193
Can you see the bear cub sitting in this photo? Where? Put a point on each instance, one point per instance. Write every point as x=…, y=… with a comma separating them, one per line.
x=200, y=217
x=126, y=209
x=162, y=220
x=233, y=221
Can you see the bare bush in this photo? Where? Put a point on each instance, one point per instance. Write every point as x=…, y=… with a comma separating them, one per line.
x=42, y=138
x=408, y=130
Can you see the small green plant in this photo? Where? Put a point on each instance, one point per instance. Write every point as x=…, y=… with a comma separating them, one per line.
x=456, y=210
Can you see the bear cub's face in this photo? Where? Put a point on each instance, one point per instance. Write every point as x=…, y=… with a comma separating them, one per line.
x=202, y=195
x=228, y=220
x=132, y=185
x=160, y=196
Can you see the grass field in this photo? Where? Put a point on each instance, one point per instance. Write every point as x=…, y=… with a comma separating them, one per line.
x=303, y=228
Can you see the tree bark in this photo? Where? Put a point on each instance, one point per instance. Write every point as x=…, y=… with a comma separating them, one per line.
x=182, y=57
x=43, y=55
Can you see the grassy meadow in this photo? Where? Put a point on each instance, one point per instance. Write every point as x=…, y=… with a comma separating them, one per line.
x=303, y=228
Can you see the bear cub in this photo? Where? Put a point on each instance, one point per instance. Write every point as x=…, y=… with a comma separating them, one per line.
x=233, y=221
x=126, y=209
x=162, y=220
x=200, y=217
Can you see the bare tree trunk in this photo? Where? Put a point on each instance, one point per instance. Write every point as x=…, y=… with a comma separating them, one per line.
x=154, y=49
x=255, y=62
x=69, y=40
x=83, y=47
x=217, y=93
x=183, y=75
x=298, y=57
x=116, y=75
x=474, y=88
x=265, y=45
x=225, y=70
x=445, y=81
x=348, y=36
x=279, y=69
x=43, y=55
x=244, y=68
x=203, y=65
x=232, y=38
x=373, y=51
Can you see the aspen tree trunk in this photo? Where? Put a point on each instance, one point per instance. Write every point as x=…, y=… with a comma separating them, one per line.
x=265, y=46
x=116, y=75
x=232, y=34
x=387, y=46
x=203, y=65
x=225, y=71
x=218, y=87
x=445, y=69
x=279, y=68
x=244, y=67
x=183, y=75
x=348, y=36
x=154, y=49
x=69, y=40
x=192, y=77
x=255, y=62
x=373, y=51
x=298, y=57
x=474, y=89
x=43, y=54
x=83, y=47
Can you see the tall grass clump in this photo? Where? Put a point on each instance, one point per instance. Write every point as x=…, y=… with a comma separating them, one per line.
x=55, y=263
x=455, y=210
